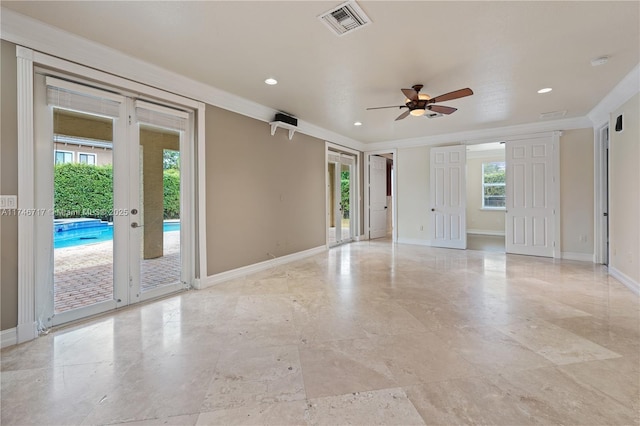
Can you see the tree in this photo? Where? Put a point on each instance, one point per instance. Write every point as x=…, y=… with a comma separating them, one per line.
x=171, y=159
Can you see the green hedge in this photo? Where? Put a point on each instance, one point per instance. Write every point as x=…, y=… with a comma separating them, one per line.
x=171, y=194
x=82, y=190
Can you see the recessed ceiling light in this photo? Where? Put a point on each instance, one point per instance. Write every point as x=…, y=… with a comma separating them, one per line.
x=545, y=90
x=271, y=81
x=357, y=123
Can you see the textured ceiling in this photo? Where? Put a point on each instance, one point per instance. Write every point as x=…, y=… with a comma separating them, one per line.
x=504, y=51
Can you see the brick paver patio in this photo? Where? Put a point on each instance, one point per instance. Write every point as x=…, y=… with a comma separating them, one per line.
x=83, y=275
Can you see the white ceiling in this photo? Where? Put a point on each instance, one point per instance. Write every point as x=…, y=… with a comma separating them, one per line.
x=505, y=51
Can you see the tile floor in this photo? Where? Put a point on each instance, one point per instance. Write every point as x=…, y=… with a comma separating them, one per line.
x=366, y=333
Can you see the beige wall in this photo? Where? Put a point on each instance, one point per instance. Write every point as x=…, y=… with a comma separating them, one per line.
x=576, y=191
x=412, y=173
x=477, y=219
x=624, y=191
x=8, y=186
x=265, y=194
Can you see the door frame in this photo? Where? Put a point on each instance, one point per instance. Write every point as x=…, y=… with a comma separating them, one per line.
x=394, y=191
x=601, y=254
x=28, y=327
x=357, y=178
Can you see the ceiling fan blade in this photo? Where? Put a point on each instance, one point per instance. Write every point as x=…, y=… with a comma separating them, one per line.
x=410, y=94
x=452, y=95
x=441, y=109
x=403, y=115
x=393, y=106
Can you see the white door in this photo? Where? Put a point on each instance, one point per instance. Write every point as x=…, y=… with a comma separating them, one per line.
x=102, y=175
x=530, y=221
x=340, y=196
x=448, y=197
x=377, y=196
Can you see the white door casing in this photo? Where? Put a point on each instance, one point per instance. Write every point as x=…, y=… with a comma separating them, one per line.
x=530, y=197
x=448, y=197
x=377, y=196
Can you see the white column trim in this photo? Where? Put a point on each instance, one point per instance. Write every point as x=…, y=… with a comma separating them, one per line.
x=555, y=142
x=201, y=199
x=26, y=328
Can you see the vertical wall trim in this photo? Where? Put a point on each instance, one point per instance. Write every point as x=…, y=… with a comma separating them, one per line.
x=555, y=141
x=26, y=329
x=201, y=198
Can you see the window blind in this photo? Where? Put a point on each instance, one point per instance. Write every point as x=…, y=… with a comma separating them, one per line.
x=160, y=116
x=77, y=97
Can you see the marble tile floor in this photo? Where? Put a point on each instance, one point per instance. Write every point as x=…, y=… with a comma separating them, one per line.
x=366, y=333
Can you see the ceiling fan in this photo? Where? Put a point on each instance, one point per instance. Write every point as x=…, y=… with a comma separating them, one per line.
x=418, y=103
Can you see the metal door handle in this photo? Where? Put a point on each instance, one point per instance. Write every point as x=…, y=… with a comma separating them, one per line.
x=135, y=225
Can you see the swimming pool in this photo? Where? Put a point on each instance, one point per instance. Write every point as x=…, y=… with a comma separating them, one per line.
x=77, y=232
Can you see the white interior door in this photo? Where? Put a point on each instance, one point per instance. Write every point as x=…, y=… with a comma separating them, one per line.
x=530, y=221
x=377, y=196
x=448, y=197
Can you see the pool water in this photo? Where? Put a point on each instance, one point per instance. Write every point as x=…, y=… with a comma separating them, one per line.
x=77, y=232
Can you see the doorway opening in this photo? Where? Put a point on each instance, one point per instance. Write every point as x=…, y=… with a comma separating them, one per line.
x=343, y=201
x=486, y=197
x=380, y=200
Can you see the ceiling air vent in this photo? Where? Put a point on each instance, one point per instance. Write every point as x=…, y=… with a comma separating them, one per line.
x=553, y=114
x=345, y=18
x=433, y=115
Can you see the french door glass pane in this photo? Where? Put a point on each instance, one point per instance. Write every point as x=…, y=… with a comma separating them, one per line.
x=159, y=212
x=83, y=210
x=345, y=201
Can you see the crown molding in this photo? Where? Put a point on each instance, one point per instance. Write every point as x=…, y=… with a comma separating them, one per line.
x=36, y=35
x=487, y=135
x=621, y=93
x=41, y=37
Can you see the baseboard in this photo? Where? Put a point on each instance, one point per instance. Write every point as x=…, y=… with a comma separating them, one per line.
x=629, y=282
x=485, y=232
x=583, y=257
x=8, y=337
x=261, y=266
x=414, y=241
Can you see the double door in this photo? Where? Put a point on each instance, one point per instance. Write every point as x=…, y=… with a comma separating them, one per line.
x=113, y=224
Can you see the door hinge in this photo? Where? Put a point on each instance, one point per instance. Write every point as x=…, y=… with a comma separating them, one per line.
x=129, y=120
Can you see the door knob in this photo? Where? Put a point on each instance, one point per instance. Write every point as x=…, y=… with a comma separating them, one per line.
x=135, y=225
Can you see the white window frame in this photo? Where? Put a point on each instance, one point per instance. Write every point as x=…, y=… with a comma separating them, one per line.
x=95, y=158
x=483, y=207
x=55, y=156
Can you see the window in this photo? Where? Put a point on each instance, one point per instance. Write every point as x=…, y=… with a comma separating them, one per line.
x=63, y=157
x=87, y=159
x=493, y=185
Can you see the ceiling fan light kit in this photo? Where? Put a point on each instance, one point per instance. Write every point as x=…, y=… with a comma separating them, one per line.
x=418, y=104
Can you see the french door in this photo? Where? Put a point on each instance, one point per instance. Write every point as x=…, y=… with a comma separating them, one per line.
x=111, y=227
x=340, y=198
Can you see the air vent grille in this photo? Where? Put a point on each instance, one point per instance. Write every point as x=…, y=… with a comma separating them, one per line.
x=345, y=18
x=433, y=115
x=553, y=114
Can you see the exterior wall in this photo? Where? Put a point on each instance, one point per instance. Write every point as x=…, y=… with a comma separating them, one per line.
x=624, y=191
x=478, y=220
x=265, y=194
x=8, y=186
x=576, y=191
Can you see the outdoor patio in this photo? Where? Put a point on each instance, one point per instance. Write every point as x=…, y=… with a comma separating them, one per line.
x=83, y=275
